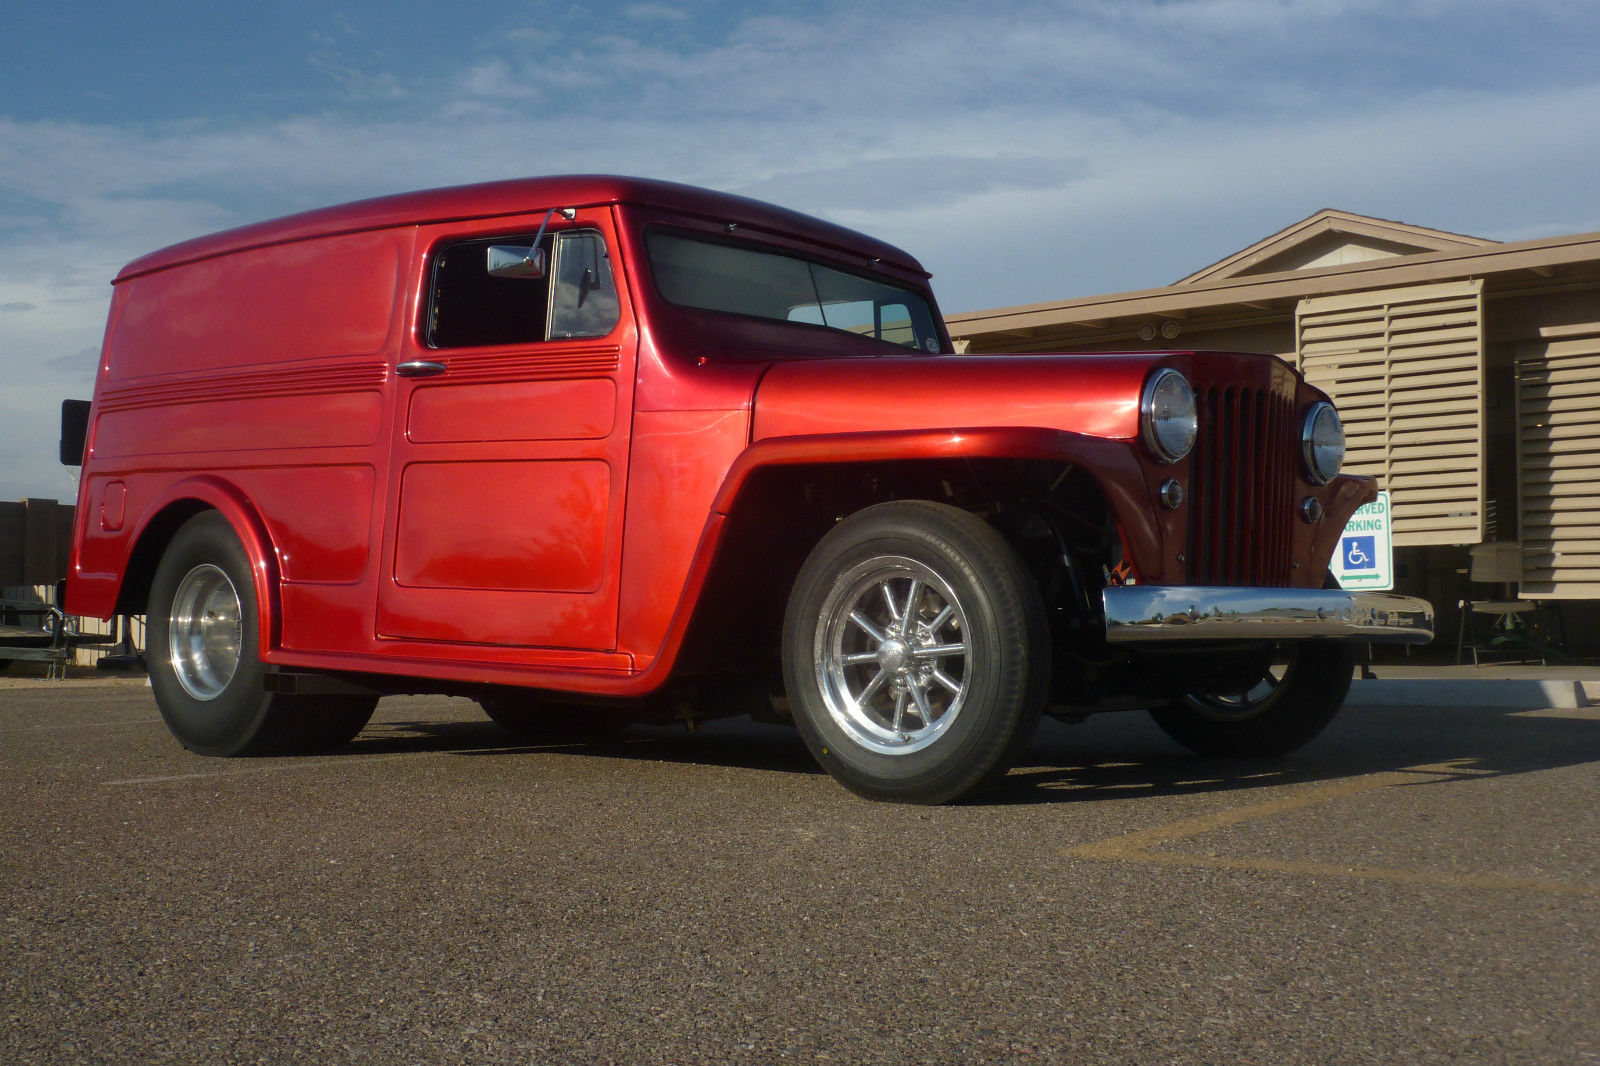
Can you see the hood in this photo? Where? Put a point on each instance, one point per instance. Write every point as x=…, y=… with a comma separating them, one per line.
x=1096, y=395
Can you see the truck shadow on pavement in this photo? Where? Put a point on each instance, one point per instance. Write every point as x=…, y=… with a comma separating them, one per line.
x=1109, y=756
x=734, y=743
x=1126, y=754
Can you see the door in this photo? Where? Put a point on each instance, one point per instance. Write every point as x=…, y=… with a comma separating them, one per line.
x=512, y=398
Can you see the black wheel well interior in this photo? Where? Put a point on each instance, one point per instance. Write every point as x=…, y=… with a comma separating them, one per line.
x=1048, y=511
x=134, y=595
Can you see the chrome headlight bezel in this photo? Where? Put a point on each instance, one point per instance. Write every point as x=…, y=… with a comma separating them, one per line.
x=1322, y=442
x=1168, y=418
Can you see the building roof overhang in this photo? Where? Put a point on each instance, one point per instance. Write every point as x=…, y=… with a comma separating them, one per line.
x=1538, y=261
x=1403, y=237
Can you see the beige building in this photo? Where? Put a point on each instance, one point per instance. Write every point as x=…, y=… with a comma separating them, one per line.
x=1467, y=372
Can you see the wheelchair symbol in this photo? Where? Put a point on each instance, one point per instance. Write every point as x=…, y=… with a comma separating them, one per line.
x=1360, y=553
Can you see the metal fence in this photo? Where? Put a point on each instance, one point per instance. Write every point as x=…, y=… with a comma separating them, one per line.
x=35, y=546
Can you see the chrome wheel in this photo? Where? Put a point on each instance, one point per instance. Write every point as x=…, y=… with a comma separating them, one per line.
x=205, y=668
x=1245, y=703
x=916, y=653
x=1296, y=691
x=892, y=655
x=205, y=631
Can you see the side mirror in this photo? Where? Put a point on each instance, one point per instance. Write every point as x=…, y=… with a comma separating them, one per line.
x=74, y=431
x=517, y=261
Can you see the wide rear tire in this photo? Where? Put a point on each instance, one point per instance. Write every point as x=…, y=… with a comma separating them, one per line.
x=205, y=665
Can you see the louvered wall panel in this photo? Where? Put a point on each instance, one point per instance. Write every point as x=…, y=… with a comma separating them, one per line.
x=1405, y=367
x=1558, y=467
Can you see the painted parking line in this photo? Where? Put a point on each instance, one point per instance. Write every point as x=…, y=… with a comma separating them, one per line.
x=302, y=764
x=345, y=761
x=82, y=725
x=1144, y=845
x=165, y=779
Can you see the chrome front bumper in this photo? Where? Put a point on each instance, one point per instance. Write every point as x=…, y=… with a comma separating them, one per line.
x=1152, y=613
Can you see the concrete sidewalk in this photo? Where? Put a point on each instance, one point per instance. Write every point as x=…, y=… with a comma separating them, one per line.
x=1492, y=685
x=1559, y=685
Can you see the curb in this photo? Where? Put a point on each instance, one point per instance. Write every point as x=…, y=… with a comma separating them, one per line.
x=1468, y=693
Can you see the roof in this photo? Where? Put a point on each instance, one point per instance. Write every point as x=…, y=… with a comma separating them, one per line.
x=1277, y=251
x=522, y=196
x=1545, y=260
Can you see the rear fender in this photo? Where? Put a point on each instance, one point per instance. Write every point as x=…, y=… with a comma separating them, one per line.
x=181, y=502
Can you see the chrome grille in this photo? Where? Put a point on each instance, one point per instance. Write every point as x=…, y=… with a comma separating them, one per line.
x=1241, y=484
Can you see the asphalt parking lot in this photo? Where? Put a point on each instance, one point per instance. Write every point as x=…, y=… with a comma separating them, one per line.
x=1420, y=885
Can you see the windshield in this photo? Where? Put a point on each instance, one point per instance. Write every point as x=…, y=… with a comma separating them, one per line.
x=740, y=279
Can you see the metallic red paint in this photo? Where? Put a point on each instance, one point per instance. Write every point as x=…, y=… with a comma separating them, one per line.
x=545, y=514
x=1094, y=395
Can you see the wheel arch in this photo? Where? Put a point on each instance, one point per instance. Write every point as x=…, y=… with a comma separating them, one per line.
x=167, y=515
x=776, y=511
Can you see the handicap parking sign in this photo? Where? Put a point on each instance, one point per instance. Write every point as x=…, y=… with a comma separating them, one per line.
x=1360, y=553
x=1365, y=556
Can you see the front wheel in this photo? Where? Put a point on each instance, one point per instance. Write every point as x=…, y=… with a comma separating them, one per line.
x=205, y=666
x=915, y=653
x=1284, y=707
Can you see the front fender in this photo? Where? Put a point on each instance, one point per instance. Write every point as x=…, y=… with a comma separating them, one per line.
x=1113, y=463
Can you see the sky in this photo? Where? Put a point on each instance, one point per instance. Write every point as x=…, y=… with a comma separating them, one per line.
x=1023, y=151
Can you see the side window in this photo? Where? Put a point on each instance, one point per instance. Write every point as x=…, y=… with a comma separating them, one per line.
x=886, y=321
x=585, y=303
x=470, y=308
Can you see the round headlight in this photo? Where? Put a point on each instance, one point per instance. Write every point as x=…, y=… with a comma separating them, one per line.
x=1167, y=415
x=1322, y=443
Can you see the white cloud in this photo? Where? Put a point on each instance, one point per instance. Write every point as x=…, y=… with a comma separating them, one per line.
x=1023, y=153
x=655, y=13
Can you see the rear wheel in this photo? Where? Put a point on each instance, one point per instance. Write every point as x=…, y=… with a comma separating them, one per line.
x=203, y=654
x=915, y=653
x=535, y=721
x=1281, y=708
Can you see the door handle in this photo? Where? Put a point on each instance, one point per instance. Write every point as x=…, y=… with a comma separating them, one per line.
x=420, y=368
